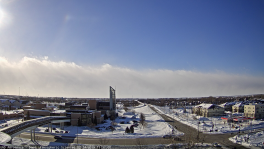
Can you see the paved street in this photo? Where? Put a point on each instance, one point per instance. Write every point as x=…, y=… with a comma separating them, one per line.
x=84, y=140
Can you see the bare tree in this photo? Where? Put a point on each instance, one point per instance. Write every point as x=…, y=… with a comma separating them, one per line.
x=112, y=129
x=142, y=121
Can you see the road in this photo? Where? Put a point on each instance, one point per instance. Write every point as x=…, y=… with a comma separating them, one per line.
x=84, y=140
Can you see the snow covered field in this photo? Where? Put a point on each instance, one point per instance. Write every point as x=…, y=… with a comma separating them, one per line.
x=210, y=125
x=249, y=140
x=156, y=126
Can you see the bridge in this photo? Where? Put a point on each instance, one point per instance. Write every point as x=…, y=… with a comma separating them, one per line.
x=10, y=132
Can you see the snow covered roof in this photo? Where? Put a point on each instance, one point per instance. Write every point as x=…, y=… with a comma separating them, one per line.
x=227, y=104
x=12, y=101
x=239, y=104
x=59, y=111
x=3, y=100
x=37, y=110
x=204, y=105
x=23, y=101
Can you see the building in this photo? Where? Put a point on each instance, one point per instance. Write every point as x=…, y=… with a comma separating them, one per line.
x=227, y=106
x=23, y=103
x=106, y=107
x=254, y=110
x=15, y=104
x=39, y=106
x=208, y=110
x=81, y=115
x=92, y=104
x=10, y=115
x=238, y=108
x=68, y=105
x=35, y=113
x=112, y=99
x=5, y=104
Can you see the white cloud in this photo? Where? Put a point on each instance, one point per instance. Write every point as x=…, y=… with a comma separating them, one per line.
x=5, y=18
x=47, y=78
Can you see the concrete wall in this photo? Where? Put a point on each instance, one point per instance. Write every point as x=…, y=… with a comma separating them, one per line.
x=97, y=114
x=92, y=104
x=74, y=118
x=39, y=106
x=8, y=116
x=33, y=112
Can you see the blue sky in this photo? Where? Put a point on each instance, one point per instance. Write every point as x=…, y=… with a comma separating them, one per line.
x=198, y=36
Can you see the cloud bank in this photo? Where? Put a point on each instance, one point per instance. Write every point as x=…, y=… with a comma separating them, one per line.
x=62, y=79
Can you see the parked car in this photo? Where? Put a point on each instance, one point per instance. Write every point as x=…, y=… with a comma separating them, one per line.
x=57, y=131
x=53, y=128
x=57, y=137
x=216, y=145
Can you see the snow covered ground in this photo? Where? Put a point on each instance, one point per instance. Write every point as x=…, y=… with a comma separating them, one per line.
x=156, y=126
x=26, y=142
x=249, y=140
x=9, y=122
x=11, y=111
x=210, y=125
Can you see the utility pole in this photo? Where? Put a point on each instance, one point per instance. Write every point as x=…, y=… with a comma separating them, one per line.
x=77, y=135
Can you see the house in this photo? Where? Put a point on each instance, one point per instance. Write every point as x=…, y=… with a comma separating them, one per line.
x=208, y=110
x=24, y=103
x=227, y=106
x=15, y=104
x=254, y=110
x=238, y=108
x=5, y=104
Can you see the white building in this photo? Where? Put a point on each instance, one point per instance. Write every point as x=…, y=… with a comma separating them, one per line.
x=208, y=110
